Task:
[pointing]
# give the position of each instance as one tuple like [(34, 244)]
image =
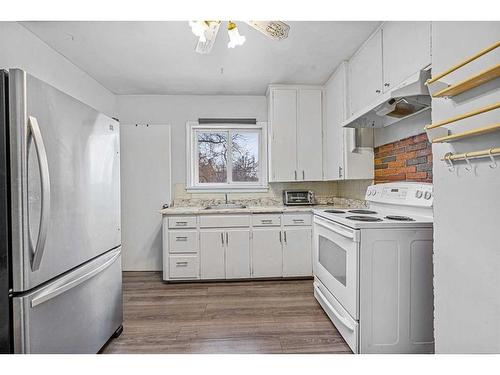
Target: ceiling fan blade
[(276, 30), (210, 35)]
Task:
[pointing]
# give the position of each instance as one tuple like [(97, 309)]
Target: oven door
[(336, 261)]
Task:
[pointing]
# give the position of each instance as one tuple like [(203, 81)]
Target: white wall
[(176, 110), (466, 204), (19, 48)]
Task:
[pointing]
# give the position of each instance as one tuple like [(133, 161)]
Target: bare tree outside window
[(236, 150), (212, 157), (245, 156)]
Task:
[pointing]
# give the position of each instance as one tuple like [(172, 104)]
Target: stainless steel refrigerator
[(60, 254)]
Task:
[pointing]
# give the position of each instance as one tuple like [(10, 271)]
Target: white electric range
[(373, 269)]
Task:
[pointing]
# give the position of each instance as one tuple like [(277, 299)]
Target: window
[(227, 157)]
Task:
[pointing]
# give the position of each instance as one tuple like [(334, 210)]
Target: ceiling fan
[(206, 31)]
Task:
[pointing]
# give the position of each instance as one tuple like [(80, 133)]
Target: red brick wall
[(408, 159)]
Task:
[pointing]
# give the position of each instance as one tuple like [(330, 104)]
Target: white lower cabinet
[(250, 246), (212, 254), (238, 254), (297, 252), (267, 253)]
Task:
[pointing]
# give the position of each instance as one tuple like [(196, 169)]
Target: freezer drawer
[(76, 313)]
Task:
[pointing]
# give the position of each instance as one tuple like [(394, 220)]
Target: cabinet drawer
[(182, 222), (183, 241), (224, 221), (297, 219), (184, 267), (265, 220)]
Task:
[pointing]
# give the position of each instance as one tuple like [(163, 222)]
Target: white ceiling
[(159, 57)]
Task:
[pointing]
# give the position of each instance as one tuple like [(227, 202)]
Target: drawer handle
[(181, 223), (298, 220), (184, 238), (181, 264), (267, 221)]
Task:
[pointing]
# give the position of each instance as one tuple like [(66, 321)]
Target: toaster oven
[(298, 197)]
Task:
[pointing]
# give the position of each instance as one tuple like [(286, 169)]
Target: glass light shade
[(235, 39), (198, 28)]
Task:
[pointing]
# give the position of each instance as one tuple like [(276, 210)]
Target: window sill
[(222, 190)]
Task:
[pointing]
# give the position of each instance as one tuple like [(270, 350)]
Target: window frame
[(192, 176)]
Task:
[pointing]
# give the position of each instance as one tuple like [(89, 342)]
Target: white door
[(284, 135), (407, 49), (212, 246), (310, 135), (365, 74), (297, 253), (145, 187), (333, 163), (267, 255), (238, 254)]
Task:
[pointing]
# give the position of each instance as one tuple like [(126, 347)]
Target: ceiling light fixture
[(199, 28), (235, 39), (206, 31)]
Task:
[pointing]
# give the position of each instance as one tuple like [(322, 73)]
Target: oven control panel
[(402, 193)]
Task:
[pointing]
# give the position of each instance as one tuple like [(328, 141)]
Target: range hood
[(408, 99)]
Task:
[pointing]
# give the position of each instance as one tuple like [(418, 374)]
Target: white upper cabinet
[(406, 50), (335, 97), (309, 135), (342, 158), (365, 73), (393, 53), (295, 126), (283, 119)]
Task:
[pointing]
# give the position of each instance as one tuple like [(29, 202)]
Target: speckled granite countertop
[(250, 209)]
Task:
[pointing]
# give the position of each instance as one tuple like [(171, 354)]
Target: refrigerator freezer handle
[(43, 164), (74, 281)]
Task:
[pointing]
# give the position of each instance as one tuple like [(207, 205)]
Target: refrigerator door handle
[(70, 284), (34, 130)]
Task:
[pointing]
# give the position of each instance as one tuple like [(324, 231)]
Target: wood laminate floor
[(222, 317)]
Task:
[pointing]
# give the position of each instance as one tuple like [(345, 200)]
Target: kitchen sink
[(224, 206)]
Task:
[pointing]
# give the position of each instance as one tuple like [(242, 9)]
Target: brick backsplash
[(408, 159)]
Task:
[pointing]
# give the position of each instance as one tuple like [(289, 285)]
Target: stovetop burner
[(363, 218), (399, 218), (335, 211), (366, 212)]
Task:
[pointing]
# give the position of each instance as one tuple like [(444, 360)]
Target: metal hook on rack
[(469, 164), (493, 164), (448, 161)]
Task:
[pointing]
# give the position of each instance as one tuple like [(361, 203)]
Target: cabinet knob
[(387, 84), (377, 91)]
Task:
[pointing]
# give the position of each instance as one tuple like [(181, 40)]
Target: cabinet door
[(238, 254), (407, 49), (297, 252), (365, 74), (212, 254), (309, 135), (335, 97), (267, 255), (284, 134)]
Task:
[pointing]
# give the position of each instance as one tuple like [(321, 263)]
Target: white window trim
[(191, 171)]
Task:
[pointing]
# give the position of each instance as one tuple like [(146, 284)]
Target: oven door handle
[(337, 229), (342, 320)]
